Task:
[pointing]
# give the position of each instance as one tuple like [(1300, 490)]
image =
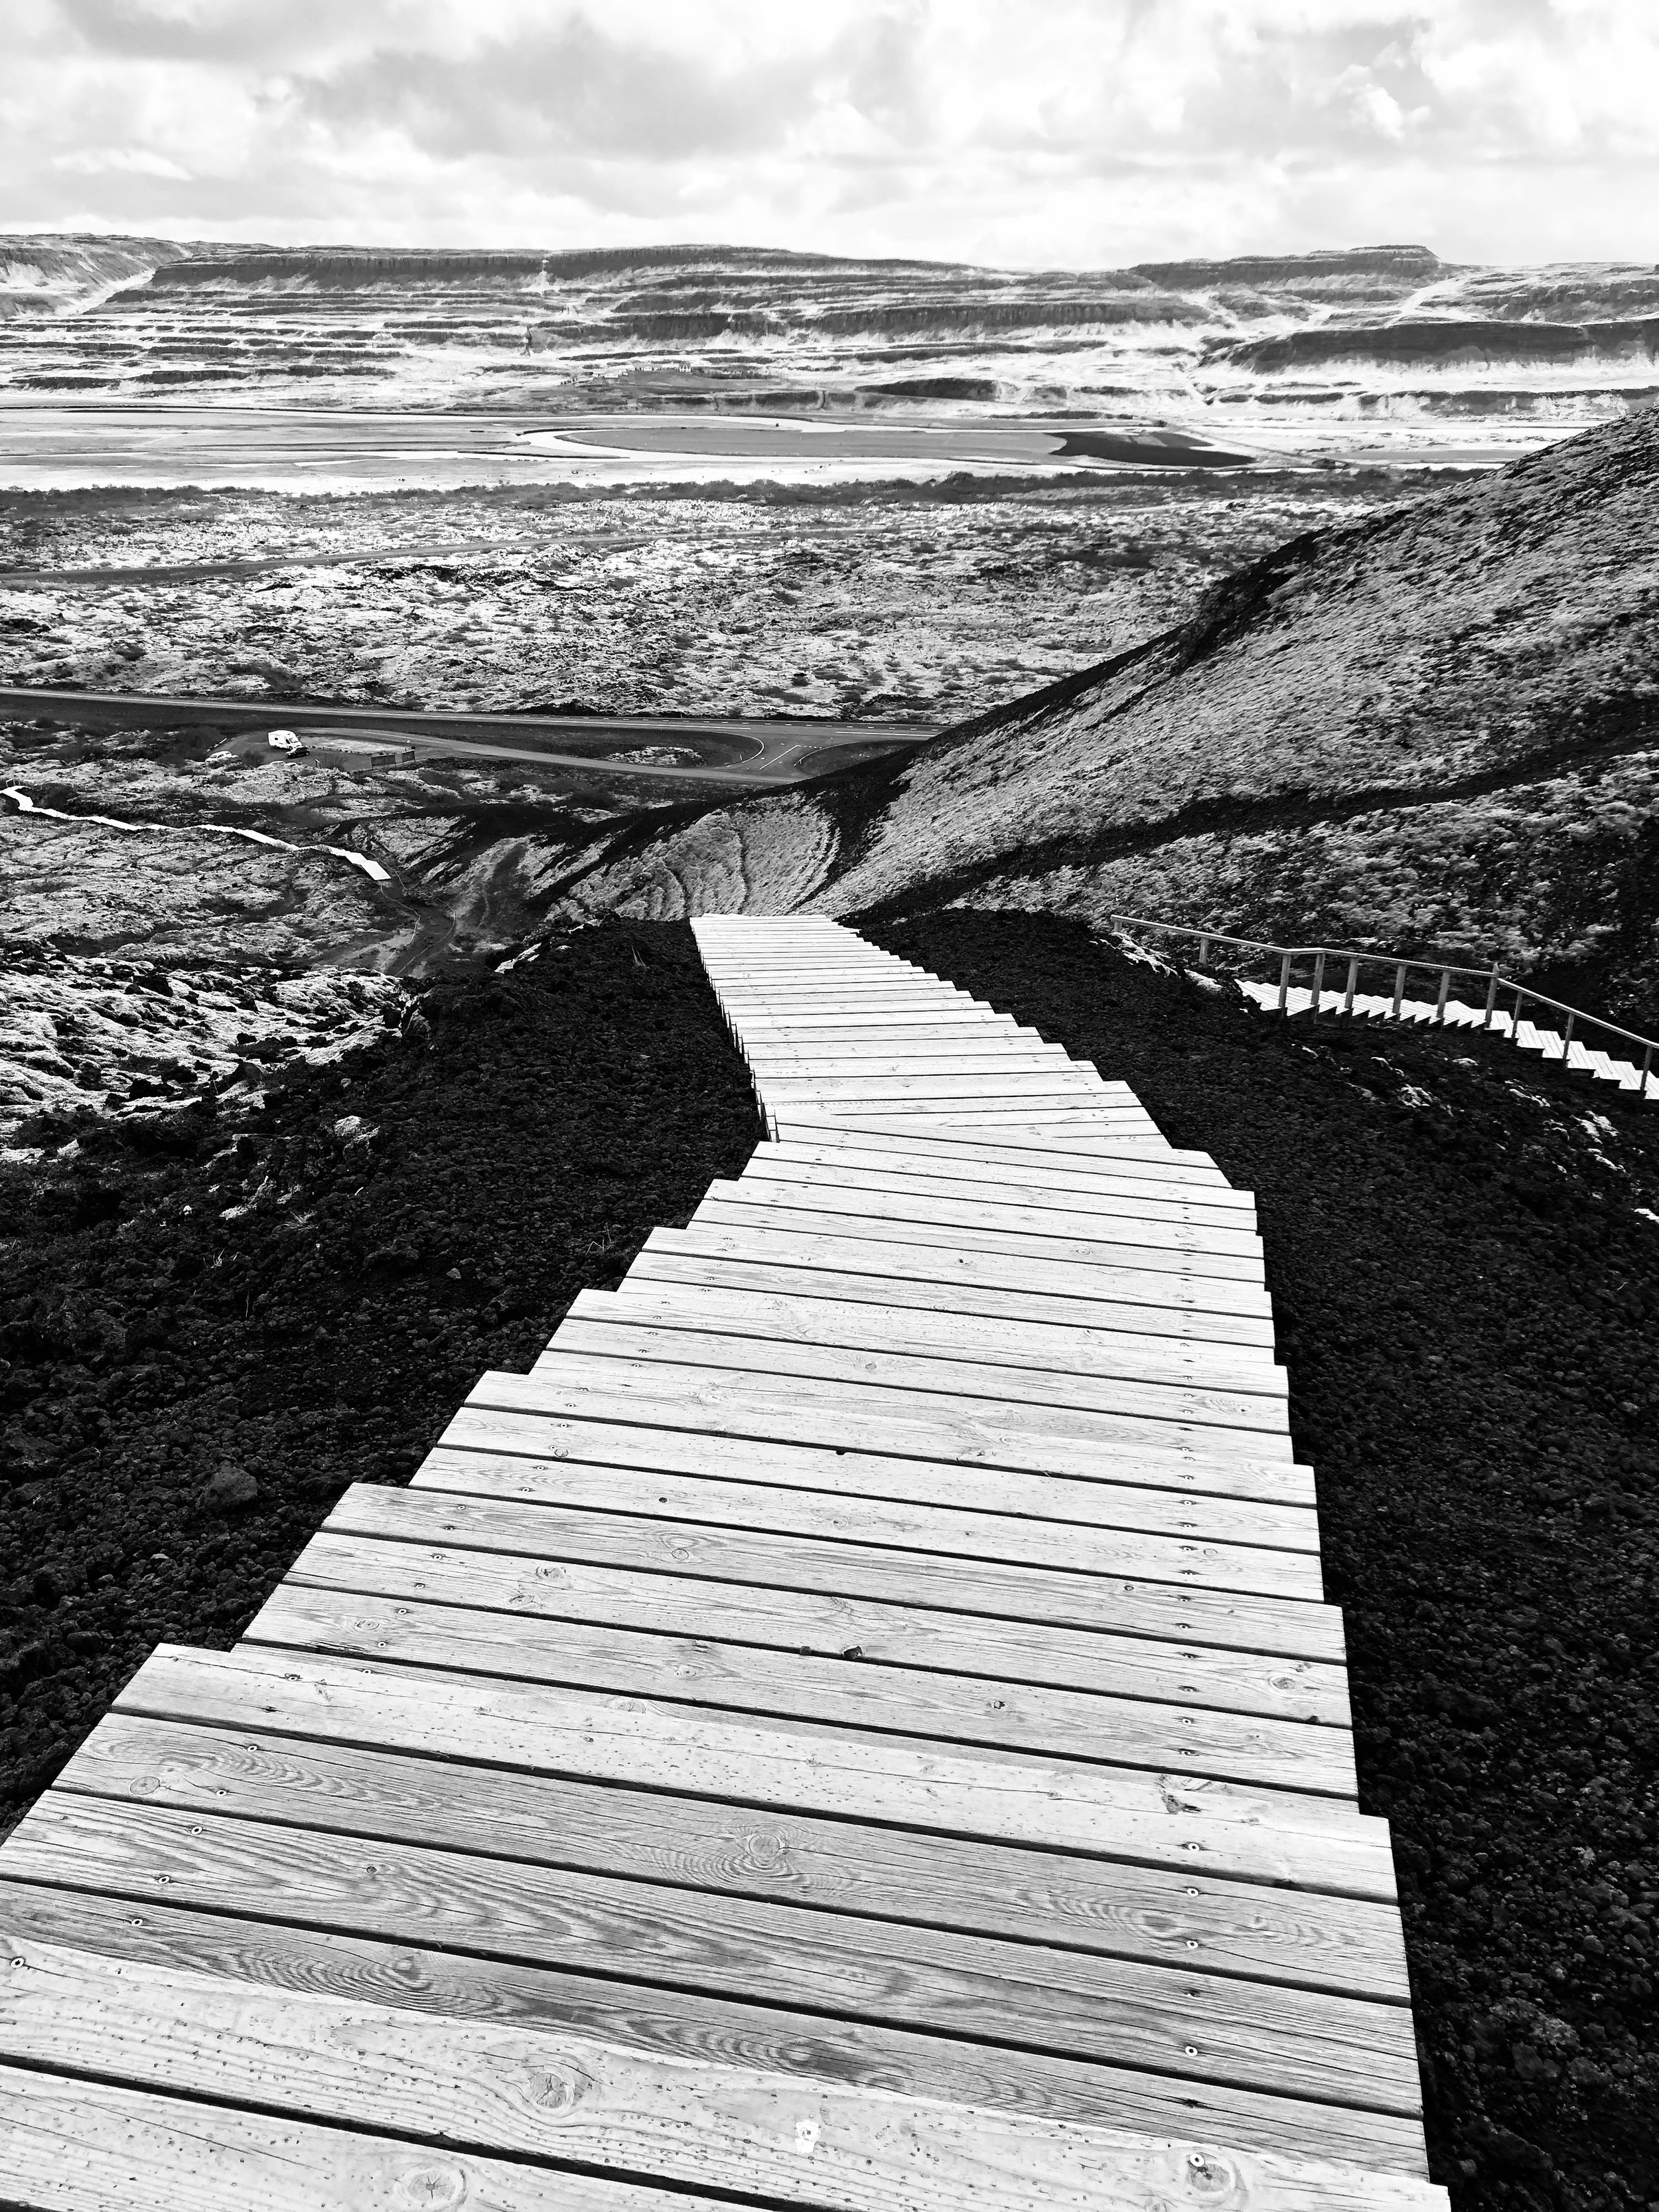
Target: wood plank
[(1083, 1140), (996, 1034), (1041, 1151), (979, 1027), (1129, 1219), (863, 1038), (1205, 1374), (1080, 1178), (488, 1622), (878, 996), (1096, 1263), (1203, 1528), (924, 1095), (1210, 1418), (846, 1022), (998, 1562), (774, 1073), (1082, 1109), (851, 1310), (1067, 1122), (818, 1167), (934, 1257), (1167, 2018), (1107, 1814), (956, 1280), (1341, 1946), (910, 1210), (1225, 1340), (1067, 1080), (778, 963), (703, 1642), (775, 1400), (823, 1069), (73, 2145), (1158, 1491), (636, 1572), (487, 2058)]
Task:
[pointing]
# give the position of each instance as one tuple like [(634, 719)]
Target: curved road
[(739, 749)]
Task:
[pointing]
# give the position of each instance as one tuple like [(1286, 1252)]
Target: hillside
[(1435, 729)]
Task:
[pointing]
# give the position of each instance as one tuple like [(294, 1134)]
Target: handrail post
[(1496, 983)]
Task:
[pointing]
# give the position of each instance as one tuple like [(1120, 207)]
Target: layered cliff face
[(44, 274), (1356, 352), (1439, 728)]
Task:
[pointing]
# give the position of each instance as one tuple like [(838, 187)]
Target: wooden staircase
[(1558, 1045), (855, 1727)]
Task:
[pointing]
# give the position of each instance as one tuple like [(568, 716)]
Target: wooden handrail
[(1445, 969)]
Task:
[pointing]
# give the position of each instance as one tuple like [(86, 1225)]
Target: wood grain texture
[(1224, 1829), (1085, 1141), (1189, 1226), (925, 1049), (208, 2006), (943, 1253), (834, 1417), (478, 1612), (981, 1224), (981, 1165), (862, 1269), (1166, 2019), (805, 1596), (78, 2146), (796, 1305), (1134, 1494), (1343, 1946), (874, 1024), (1023, 1569), (1095, 1737), (600, 1321)]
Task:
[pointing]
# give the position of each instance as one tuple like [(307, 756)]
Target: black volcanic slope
[(1466, 1296), (208, 1330)]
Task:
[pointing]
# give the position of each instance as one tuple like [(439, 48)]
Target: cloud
[(570, 91), (1046, 132), (125, 160)]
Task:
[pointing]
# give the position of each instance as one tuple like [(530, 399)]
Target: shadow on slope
[(1436, 729), (1464, 1288)]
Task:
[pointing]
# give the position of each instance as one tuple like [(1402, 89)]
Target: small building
[(355, 749)]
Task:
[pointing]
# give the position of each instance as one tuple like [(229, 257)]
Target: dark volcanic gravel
[(208, 1330), (1465, 1294)]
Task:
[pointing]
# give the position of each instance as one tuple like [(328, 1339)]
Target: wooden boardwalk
[(856, 1727)]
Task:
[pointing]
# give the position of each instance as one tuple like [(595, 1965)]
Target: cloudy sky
[(1026, 132)]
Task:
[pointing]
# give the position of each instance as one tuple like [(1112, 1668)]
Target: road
[(736, 749)]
